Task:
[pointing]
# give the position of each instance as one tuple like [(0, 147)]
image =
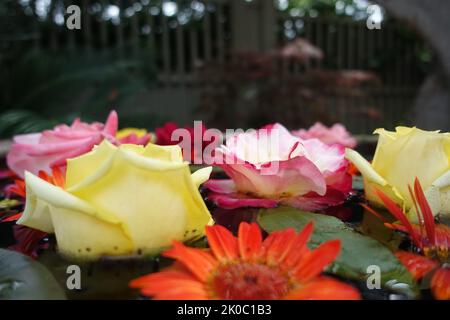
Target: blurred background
[(230, 63)]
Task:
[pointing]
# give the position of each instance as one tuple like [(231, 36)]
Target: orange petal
[(426, 212), (416, 264), (58, 177), (299, 248), (277, 246), (440, 284), (182, 294), (374, 212), (13, 217), (315, 261), (416, 207), (44, 176), (197, 261), (170, 285), (399, 215), (325, 288), (250, 241), (18, 191), (19, 188), (143, 281), (223, 244), (443, 239)]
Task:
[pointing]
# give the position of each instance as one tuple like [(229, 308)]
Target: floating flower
[(166, 136), (248, 268), (119, 200), (432, 240), (337, 134), (42, 151), (133, 136), (19, 188), (402, 155), (270, 167), (28, 241)]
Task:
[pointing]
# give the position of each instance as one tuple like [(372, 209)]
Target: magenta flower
[(51, 148), (337, 134), (270, 166)]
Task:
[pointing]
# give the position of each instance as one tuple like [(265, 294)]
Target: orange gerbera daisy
[(433, 241), (18, 188), (57, 178), (248, 268)]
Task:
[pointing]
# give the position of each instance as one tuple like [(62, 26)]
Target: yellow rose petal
[(364, 167), (167, 153), (201, 175), (83, 166), (82, 236), (127, 131), (408, 153), (157, 200)]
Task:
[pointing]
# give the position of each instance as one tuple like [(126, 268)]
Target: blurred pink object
[(42, 151), (337, 134), (302, 50)]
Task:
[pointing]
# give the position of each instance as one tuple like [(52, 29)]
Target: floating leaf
[(358, 183), (22, 278), (358, 251)]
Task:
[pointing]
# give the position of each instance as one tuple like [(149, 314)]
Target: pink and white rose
[(51, 148), (270, 166), (337, 134)]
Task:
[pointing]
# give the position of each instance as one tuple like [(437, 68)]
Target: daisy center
[(249, 281)]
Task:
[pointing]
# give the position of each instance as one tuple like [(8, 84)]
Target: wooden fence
[(212, 30)]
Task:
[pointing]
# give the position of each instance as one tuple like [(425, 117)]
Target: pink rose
[(337, 134), (270, 166), (51, 148)]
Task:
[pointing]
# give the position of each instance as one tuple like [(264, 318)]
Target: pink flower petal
[(221, 186), (337, 134), (296, 176), (315, 202), (307, 174), (233, 201), (112, 124), (134, 139), (41, 151)]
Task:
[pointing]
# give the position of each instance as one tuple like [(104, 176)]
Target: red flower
[(440, 284), (248, 268), (28, 241), (164, 134), (417, 265), (165, 137), (432, 240)]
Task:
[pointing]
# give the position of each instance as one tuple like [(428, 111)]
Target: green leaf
[(22, 278), (358, 251)]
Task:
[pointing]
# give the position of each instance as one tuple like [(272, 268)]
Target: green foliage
[(23, 121), (358, 251), (84, 83), (323, 6)]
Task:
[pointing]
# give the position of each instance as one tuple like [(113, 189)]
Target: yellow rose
[(400, 157), (134, 136), (127, 131), (119, 201)]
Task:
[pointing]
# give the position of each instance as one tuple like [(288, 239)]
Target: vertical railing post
[(253, 25)]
